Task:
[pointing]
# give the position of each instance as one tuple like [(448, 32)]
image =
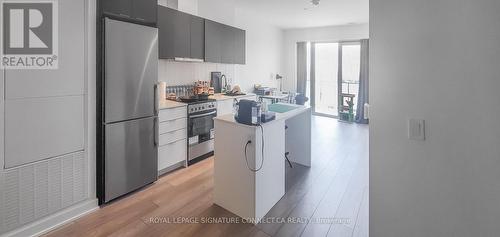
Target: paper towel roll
[(162, 87)]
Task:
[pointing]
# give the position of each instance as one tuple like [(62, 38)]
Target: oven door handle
[(201, 115)]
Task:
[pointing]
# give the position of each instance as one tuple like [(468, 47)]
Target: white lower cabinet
[(171, 154), (172, 130)]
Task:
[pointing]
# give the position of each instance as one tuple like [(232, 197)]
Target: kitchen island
[(249, 167)]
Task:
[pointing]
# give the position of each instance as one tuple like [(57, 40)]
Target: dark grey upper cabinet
[(121, 8), (145, 10), (227, 40), (139, 10), (197, 37), (166, 36), (224, 44), (239, 46), (180, 35), (213, 45)]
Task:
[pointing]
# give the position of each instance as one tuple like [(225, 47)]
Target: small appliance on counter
[(216, 81), (249, 112)]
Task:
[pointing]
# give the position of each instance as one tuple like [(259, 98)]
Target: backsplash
[(183, 73)]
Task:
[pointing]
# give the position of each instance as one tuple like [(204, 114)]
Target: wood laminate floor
[(328, 199)]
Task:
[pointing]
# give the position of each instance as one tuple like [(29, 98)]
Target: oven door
[(201, 127)]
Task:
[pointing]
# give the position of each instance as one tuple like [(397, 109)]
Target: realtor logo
[(29, 34)]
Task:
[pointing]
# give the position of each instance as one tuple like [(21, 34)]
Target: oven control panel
[(195, 108)]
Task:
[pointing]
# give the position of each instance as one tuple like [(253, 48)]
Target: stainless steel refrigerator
[(129, 108)]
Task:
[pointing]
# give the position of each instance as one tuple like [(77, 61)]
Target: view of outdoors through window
[(326, 67), (351, 56), (326, 84)]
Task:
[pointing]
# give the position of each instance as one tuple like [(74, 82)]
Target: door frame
[(312, 73)]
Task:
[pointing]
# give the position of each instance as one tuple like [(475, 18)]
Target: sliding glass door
[(334, 70), (325, 79)]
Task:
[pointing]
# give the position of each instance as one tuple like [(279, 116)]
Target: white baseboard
[(55, 220)]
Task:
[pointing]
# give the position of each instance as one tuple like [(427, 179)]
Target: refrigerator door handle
[(156, 131), (156, 100)]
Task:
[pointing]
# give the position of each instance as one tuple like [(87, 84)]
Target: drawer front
[(171, 114), (170, 137), (172, 154), (172, 125)]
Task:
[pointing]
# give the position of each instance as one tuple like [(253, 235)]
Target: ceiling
[(302, 13)]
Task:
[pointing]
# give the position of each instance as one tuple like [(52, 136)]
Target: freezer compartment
[(131, 159), (131, 70)]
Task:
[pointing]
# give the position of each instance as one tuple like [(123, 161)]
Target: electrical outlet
[(416, 129)]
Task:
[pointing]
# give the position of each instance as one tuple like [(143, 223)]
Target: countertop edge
[(169, 104), (229, 118)]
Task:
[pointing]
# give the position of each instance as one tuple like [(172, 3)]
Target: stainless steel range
[(201, 129)]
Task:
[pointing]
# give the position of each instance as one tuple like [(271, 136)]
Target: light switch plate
[(416, 129)]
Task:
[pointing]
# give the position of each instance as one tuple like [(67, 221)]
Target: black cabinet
[(213, 46), (239, 46), (227, 41), (181, 32), (181, 35), (145, 10), (224, 44), (197, 37), (137, 10), (117, 7)]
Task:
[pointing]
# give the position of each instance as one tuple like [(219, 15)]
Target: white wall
[(40, 195), (222, 11), (436, 60), (184, 73), (317, 34), (263, 50)]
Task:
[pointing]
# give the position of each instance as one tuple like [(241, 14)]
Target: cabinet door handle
[(141, 19)]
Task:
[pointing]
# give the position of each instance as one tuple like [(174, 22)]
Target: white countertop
[(170, 104), (229, 118), (220, 96)]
